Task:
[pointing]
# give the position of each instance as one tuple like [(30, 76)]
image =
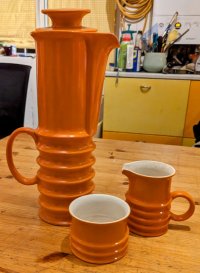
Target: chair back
[(14, 80)]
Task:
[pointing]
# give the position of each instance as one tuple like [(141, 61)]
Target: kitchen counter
[(147, 75), (29, 245)]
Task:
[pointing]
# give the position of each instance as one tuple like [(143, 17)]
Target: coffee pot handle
[(9, 155), (190, 210)]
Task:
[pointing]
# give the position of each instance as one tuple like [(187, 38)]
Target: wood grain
[(29, 245)]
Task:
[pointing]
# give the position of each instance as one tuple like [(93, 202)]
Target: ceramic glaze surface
[(154, 62), (99, 232), (71, 63), (150, 198)]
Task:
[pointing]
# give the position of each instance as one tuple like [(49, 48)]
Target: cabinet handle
[(145, 88)]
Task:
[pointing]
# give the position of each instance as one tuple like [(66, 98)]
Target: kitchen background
[(20, 17)]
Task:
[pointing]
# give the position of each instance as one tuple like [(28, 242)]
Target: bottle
[(129, 31), (136, 60), (138, 40), (129, 57), (137, 52), (126, 38)]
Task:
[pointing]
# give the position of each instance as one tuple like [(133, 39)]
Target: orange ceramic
[(150, 198), (99, 231), (71, 63)]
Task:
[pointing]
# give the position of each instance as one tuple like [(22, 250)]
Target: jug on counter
[(149, 197), (71, 63)]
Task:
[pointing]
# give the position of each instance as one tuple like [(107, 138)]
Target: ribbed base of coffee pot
[(65, 173), (54, 209)]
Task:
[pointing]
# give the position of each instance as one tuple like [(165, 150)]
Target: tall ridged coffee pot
[(71, 63)]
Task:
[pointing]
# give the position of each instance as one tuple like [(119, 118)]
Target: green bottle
[(126, 39)]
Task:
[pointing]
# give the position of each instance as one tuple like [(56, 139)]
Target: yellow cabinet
[(150, 110), (193, 111)]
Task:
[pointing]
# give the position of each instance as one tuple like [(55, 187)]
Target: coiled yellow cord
[(135, 10)]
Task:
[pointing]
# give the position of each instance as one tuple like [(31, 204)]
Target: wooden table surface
[(27, 244)]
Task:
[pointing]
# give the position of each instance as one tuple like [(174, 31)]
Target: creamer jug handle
[(189, 212), (9, 155)]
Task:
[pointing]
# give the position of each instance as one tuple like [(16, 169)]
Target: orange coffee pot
[(71, 63)]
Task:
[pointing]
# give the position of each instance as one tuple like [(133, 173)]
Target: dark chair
[(14, 80), (196, 131)]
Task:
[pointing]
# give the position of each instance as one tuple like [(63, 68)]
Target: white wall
[(188, 16), (169, 7)]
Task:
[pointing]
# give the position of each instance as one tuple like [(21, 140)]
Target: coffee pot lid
[(68, 18)]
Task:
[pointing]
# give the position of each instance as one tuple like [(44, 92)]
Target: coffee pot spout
[(98, 47)]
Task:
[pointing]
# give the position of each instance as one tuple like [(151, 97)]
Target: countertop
[(29, 245), (147, 75)]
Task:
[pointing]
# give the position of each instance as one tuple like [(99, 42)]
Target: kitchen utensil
[(166, 47), (173, 35), (150, 198), (168, 28), (99, 231), (160, 39), (71, 63), (154, 61)]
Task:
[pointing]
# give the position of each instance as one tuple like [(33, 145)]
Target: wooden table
[(27, 244)]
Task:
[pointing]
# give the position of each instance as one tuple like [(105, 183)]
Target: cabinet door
[(171, 140), (193, 110), (145, 106)]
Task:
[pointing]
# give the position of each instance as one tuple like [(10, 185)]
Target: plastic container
[(129, 57), (154, 62), (138, 40), (134, 54), (136, 60), (126, 39)]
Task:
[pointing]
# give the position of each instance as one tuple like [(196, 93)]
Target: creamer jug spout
[(126, 170), (98, 46)]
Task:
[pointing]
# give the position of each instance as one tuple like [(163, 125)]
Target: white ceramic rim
[(170, 171), (80, 200)]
